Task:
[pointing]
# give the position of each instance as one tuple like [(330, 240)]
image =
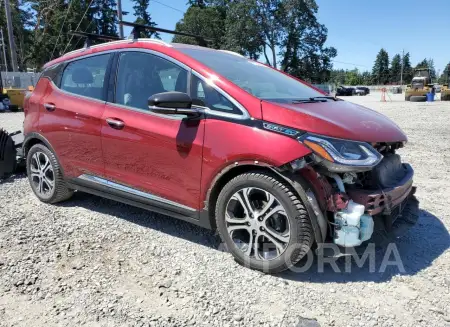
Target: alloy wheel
[(257, 223), (42, 175)]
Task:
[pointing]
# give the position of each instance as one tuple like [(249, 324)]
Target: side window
[(142, 74), (86, 76), (204, 94), (53, 73)]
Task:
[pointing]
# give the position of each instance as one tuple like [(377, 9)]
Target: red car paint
[(178, 160), (339, 119)]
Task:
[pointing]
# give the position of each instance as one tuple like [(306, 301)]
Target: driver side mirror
[(172, 103)]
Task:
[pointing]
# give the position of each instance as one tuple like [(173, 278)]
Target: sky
[(358, 29)]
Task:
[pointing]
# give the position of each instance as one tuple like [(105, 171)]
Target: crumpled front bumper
[(384, 201), (394, 210)]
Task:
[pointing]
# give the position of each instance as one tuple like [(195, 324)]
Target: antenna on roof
[(89, 37), (138, 28)]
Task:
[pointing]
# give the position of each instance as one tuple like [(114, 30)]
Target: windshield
[(422, 73), (255, 78)]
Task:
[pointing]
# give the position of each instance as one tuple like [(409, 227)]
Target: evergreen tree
[(143, 17), (407, 69), (396, 68), (444, 78), (105, 15), (380, 71)]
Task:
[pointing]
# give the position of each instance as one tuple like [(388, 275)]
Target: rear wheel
[(45, 176), (418, 98), (263, 222)]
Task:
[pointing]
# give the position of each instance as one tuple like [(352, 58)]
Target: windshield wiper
[(324, 97), (314, 99)]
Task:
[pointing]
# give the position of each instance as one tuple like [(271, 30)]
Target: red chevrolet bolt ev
[(210, 137)]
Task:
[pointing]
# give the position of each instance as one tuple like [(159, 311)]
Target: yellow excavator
[(420, 86), (445, 91), (12, 98)]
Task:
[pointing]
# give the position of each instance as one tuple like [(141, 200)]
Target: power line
[(348, 63), (76, 44), (179, 10), (57, 39), (68, 43)]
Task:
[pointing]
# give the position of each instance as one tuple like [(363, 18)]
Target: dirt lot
[(95, 262)]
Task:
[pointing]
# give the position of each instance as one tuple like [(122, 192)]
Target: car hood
[(340, 119)]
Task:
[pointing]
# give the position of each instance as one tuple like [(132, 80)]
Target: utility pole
[(4, 49), (12, 46), (401, 71), (119, 15)]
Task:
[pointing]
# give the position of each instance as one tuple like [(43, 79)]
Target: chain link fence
[(19, 80)]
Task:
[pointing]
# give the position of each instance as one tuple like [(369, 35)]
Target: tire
[(293, 217), (418, 98), (46, 181)]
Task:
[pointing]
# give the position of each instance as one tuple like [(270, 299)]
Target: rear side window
[(86, 76), (53, 73)]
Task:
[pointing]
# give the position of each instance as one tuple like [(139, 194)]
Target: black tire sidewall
[(284, 261), (418, 98), (41, 148)]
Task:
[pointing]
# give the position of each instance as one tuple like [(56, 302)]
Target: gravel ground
[(95, 262)]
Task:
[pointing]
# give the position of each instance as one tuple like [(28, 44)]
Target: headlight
[(343, 152)]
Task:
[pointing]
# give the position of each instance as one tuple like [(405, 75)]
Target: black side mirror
[(172, 103)]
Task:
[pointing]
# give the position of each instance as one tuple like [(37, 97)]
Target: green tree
[(207, 22), (105, 15), (353, 77), (380, 70), (283, 33), (303, 39), (21, 20), (396, 68), (243, 34), (337, 76), (143, 17), (407, 69), (366, 78), (445, 77)]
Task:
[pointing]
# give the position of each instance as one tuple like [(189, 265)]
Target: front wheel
[(263, 222)]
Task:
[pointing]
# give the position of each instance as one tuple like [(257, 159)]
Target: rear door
[(71, 112), (152, 156)]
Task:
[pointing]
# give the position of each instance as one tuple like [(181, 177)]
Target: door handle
[(50, 106), (115, 123)]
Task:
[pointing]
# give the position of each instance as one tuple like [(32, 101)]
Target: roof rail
[(89, 37), (138, 28), (233, 53), (119, 41)]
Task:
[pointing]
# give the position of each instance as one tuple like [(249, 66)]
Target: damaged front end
[(362, 192)]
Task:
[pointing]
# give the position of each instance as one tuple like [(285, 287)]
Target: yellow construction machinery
[(445, 91), (12, 98), (420, 86)]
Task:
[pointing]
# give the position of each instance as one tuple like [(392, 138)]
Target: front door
[(146, 154)]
